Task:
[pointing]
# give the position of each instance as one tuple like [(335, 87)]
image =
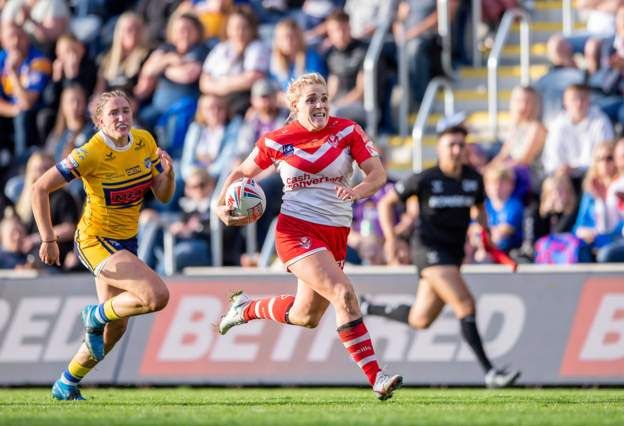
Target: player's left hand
[(345, 193), (165, 160)]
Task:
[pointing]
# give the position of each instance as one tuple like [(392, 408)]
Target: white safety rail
[(567, 13), (423, 113), (494, 59), (476, 22), (371, 69)]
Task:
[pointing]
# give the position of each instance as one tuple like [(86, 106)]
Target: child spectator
[(12, 235), (505, 213), (558, 207)]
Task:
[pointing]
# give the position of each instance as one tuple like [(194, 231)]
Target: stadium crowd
[(209, 77)]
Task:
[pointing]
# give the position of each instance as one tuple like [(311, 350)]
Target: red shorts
[(296, 239)]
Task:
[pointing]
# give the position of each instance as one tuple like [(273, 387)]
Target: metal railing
[(423, 113), (477, 60), (216, 228), (567, 14), (370, 66), (444, 29), (493, 60)]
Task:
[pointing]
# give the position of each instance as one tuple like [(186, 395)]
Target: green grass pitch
[(314, 406)]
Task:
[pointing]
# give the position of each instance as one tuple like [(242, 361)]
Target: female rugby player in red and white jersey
[(314, 155)]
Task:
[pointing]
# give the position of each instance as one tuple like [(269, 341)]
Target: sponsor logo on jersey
[(470, 185), (433, 257), (148, 163), (437, 186), (72, 161), (444, 201), (81, 153), (133, 170), (110, 156), (126, 195), (306, 179), (288, 149)]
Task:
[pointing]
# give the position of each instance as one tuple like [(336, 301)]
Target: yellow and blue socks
[(74, 373), (104, 313)]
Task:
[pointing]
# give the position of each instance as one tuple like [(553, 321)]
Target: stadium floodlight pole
[(567, 14), (476, 23), (493, 60), (423, 113), (371, 68)]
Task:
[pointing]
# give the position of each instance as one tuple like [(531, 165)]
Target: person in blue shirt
[(505, 213), (24, 74)]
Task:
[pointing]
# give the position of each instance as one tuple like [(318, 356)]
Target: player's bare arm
[(375, 178), (46, 184), (164, 184)]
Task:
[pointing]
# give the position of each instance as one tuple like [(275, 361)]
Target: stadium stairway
[(470, 89)]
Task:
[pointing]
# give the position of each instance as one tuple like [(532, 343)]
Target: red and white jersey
[(311, 164)]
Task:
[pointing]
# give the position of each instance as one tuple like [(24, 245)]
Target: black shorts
[(425, 255)]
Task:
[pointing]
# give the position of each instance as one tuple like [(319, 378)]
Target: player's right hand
[(49, 253), (390, 250), (225, 214)]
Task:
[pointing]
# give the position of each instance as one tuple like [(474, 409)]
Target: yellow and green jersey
[(115, 180)]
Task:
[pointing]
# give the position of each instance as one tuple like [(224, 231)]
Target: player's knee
[(464, 307), (310, 320), (420, 322), (157, 298)]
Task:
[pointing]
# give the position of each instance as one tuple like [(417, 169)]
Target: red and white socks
[(355, 338), (273, 308)]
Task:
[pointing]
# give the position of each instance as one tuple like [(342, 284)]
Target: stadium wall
[(559, 326)]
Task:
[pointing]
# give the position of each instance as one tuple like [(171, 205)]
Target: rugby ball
[(246, 198)]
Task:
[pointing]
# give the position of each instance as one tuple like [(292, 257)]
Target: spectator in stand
[(192, 230), (312, 18), (609, 80), (558, 207), (364, 17), (524, 143), (171, 73), (416, 26), (71, 66), (120, 66), (64, 212), (43, 20), (211, 140), (12, 235), (345, 61), (72, 128), (504, 212), (574, 134), (157, 15), (263, 116), (25, 72), (562, 73), (235, 64), (599, 221), (291, 58), (213, 15)]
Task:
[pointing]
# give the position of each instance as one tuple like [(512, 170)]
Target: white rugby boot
[(385, 385), (495, 379), (234, 316)]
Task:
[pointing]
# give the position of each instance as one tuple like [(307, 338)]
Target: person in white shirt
[(574, 133)]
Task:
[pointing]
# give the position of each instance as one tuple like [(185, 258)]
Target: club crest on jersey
[(333, 141), (139, 145), (469, 185), (305, 242), (437, 186), (148, 163), (288, 149)]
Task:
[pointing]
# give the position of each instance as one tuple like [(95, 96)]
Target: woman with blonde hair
[(290, 57), (524, 143), (599, 221), (121, 65), (313, 225)]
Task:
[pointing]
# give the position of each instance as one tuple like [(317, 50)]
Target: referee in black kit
[(448, 194)]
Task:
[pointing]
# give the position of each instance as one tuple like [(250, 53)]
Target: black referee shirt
[(444, 204)]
